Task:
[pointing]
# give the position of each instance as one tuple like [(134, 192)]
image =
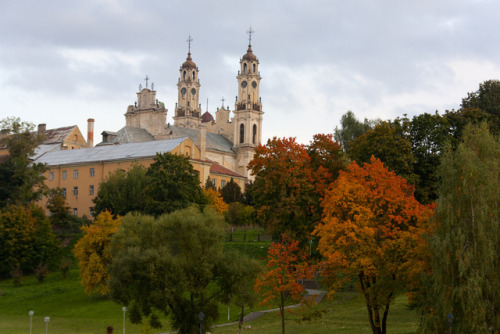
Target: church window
[(184, 75), (253, 68), (193, 75), (242, 133), (254, 135), (214, 182), (245, 68)]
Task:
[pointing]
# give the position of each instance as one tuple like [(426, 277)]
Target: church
[(218, 147), (229, 141)]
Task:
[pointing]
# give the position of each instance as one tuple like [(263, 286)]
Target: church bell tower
[(248, 109), (187, 108)]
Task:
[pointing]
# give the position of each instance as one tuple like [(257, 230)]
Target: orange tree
[(290, 179), (92, 252), (215, 200), (286, 265), (370, 227)]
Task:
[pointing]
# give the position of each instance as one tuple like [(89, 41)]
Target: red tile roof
[(207, 117), (218, 169)]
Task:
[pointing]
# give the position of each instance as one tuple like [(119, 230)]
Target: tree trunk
[(240, 324), (282, 313)]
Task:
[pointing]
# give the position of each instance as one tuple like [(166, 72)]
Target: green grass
[(349, 317)]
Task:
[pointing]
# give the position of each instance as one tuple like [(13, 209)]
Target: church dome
[(189, 63), (249, 55)]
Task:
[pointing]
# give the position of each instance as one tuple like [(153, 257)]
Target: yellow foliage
[(215, 200), (93, 255)]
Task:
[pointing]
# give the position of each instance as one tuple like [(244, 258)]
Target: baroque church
[(228, 140)]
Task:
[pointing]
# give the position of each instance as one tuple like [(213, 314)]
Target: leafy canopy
[(371, 223), (175, 265)]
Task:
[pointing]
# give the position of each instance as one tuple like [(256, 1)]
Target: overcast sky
[(62, 62)]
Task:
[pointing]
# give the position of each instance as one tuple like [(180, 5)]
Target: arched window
[(242, 133), (254, 134), (184, 75), (253, 68), (193, 75), (245, 68)]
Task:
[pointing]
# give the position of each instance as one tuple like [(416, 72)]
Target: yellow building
[(79, 172)]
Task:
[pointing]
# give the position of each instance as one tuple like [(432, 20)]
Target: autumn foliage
[(92, 252), (370, 228), (215, 200), (286, 265)]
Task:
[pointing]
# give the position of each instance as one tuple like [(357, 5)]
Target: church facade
[(229, 140)]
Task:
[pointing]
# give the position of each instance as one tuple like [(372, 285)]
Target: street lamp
[(31, 319), (124, 309), (450, 318), (201, 316), (46, 319)]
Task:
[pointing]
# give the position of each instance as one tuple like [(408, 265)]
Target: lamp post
[(450, 318), (31, 320), (201, 316), (124, 309), (46, 319)]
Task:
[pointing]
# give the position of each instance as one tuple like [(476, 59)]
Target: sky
[(64, 61)]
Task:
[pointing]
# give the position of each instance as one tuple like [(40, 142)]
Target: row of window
[(75, 174), (75, 191), (222, 183), (242, 134), (91, 211)]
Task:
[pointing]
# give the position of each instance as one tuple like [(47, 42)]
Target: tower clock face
[(254, 84), (183, 91), (243, 84), (193, 91)]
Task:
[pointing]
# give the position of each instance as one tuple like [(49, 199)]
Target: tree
[(283, 191), (465, 276), (174, 264), (239, 214), (123, 192), (26, 239), (209, 184), (92, 253), (351, 129), (371, 222), (215, 200), (486, 98), (387, 143), (286, 266), (21, 182), (175, 186), (231, 192), (61, 218)]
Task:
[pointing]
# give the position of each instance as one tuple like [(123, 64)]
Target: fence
[(248, 237)]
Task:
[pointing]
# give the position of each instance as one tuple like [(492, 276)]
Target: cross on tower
[(250, 32), (146, 80), (189, 40), (222, 102)]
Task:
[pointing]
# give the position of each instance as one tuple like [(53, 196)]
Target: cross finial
[(146, 80), (189, 40), (222, 102), (250, 32)]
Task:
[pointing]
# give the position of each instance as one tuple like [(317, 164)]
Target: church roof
[(207, 117), (219, 169), (214, 141), (249, 55), (189, 63), (128, 151)]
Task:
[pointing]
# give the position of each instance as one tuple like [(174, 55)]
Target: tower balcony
[(249, 106)]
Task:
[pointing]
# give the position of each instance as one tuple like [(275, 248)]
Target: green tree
[(209, 184), (175, 264), (175, 185), (92, 253), (123, 192), (231, 192), (486, 98), (465, 258), (386, 142), (21, 182), (60, 215), (351, 128), (26, 239), (239, 214)]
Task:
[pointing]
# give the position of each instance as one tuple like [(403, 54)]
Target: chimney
[(90, 132), (41, 128)]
